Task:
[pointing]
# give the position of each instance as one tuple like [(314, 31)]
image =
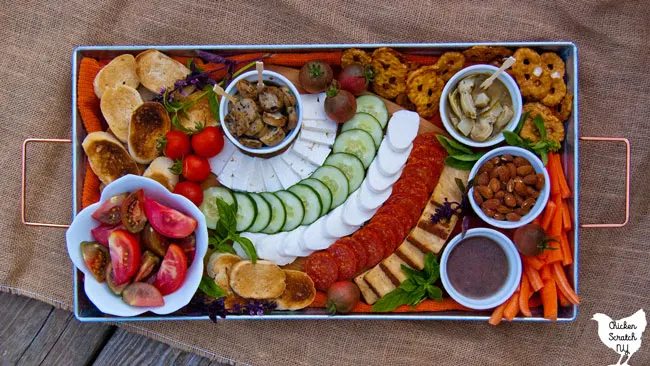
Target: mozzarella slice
[(313, 106), (227, 175), (353, 213), (284, 172), (298, 163), (322, 125), (292, 246), (255, 178), (271, 181), (402, 129), (378, 181), (389, 161), (243, 173), (313, 152), (269, 249), (315, 237), (218, 162), (325, 138), (370, 200), (253, 237), (335, 226)]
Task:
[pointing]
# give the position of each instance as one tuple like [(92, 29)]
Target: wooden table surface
[(35, 333)]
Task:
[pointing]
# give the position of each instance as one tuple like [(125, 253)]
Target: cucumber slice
[(310, 201), (373, 105), (350, 165), (358, 143), (209, 205), (323, 192), (263, 217), (246, 212), (278, 213), (336, 181), (368, 123), (294, 208)]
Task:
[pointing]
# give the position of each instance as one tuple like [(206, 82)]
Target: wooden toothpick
[(509, 61), (260, 69), (219, 90)]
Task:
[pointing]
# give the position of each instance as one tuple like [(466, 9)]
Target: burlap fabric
[(613, 39)]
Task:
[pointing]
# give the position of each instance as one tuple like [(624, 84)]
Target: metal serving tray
[(85, 311)]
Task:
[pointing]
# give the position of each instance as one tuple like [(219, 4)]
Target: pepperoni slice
[(409, 185), (402, 217), (346, 259), (391, 225), (359, 250), (322, 268), (421, 171), (371, 243), (425, 139), (412, 203), (386, 235)]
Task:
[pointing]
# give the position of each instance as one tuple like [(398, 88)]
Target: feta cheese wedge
[(298, 163), (218, 162), (284, 172), (313, 152)]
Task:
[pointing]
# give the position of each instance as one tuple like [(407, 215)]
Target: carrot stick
[(511, 310), (421, 59), (534, 262), (552, 173), (90, 192), (563, 283), (566, 217), (524, 295), (87, 101), (299, 59), (567, 256), (545, 273), (497, 314), (549, 212), (447, 303), (534, 301), (320, 301), (565, 191), (534, 278), (537, 220), (549, 300), (564, 302), (555, 231)]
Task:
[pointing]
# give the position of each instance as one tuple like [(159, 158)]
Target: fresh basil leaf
[(408, 285), (410, 272), (434, 293), (391, 301), (458, 164), (221, 231), (453, 147), (210, 288), (415, 297), (468, 157), (512, 138), (247, 246), (544, 156), (460, 185), (225, 248), (431, 268), (226, 215), (539, 123), (214, 105), (520, 125)]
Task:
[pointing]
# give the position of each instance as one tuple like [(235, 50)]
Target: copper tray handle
[(627, 180), (23, 173)]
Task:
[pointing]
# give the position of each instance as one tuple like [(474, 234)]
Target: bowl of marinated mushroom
[(264, 118), (476, 114)]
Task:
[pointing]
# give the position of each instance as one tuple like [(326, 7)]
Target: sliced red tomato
[(125, 255), (133, 216), (96, 258), (149, 263), (191, 191), (142, 294), (167, 221), (101, 232), (109, 212), (188, 245), (208, 143), (110, 281), (172, 271)]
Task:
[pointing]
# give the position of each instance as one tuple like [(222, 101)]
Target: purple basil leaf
[(211, 57), (465, 226)]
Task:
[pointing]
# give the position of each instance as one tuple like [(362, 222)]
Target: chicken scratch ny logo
[(623, 335)]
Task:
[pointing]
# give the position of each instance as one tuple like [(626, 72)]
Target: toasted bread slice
[(120, 71), (117, 106), (219, 267), (299, 293), (157, 70), (148, 124), (447, 187), (159, 171), (262, 280), (107, 156), (367, 292), (199, 112)]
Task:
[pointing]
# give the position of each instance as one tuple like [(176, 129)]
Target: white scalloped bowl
[(99, 293)]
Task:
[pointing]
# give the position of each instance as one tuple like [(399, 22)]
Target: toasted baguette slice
[(299, 293), (159, 171), (198, 112), (117, 106), (120, 71), (157, 70), (262, 280), (367, 292), (219, 267), (107, 157), (149, 123)]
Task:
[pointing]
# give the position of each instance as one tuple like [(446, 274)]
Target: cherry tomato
[(172, 271), (167, 221), (109, 212), (355, 78), (125, 255), (342, 297), (101, 232), (315, 76), (96, 258), (195, 168), (142, 294), (208, 143), (191, 191), (177, 145), (340, 105), (133, 217)]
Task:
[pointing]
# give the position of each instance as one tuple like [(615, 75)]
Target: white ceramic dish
[(543, 194), (99, 293), (514, 272), (274, 78), (506, 79)]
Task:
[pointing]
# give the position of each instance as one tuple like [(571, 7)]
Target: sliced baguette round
[(262, 280), (199, 112), (219, 267), (117, 106), (148, 124), (107, 157), (120, 71), (157, 70), (159, 170), (299, 293)]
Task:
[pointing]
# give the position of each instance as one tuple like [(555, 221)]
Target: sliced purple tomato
[(101, 232), (152, 240), (167, 221), (110, 211), (149, 263), (132, 211), (188, 244), (142, 294), (110, 281), (125, 255), (96, 258)]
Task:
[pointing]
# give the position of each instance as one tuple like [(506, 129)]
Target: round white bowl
[(99, 293), (514, 272), (274, 78), (445, 109), (541, 202)]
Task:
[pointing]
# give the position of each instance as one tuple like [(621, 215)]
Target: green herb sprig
[(225, 233), (210, 288), (418, 286), (541, 148), (460, 156)]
